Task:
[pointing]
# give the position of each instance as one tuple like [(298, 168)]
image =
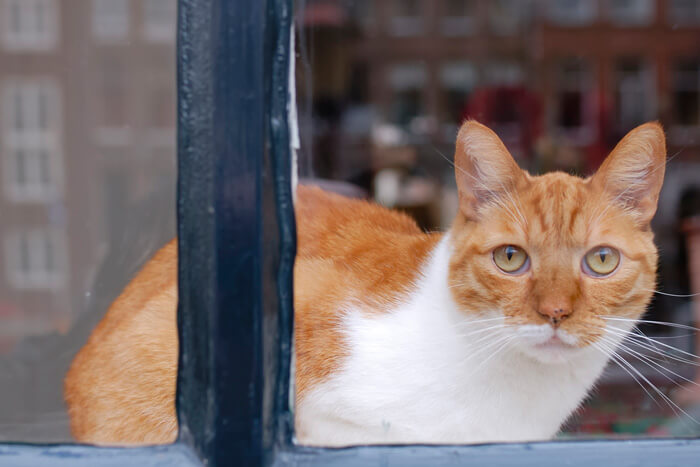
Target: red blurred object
[(514, 112)]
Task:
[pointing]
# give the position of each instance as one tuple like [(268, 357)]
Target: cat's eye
[(601, 261), (511, 259)]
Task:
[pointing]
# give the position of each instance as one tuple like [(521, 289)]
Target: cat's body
[(402, 336), (410, 375)]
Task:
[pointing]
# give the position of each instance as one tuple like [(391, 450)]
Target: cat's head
[(566, 261)]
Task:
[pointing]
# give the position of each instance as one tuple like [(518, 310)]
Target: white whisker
[(673, 294), (654, 348), (668, 400), (657, 366)]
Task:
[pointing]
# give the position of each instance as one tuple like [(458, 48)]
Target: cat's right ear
[(484, 168)]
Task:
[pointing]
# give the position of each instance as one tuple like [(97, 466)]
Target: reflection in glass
[(87, 183)]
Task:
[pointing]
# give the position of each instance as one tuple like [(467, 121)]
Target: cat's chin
[(547, 345), (553, 351)]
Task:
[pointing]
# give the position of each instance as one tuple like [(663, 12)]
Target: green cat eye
[(511, 259), (601, 261)]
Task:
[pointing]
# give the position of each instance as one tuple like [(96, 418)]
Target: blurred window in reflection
[(458, 80), (572, 12), (459, 18), (634, 93), (29, 25), (504, 73), (408, 18), (509, 17), (362, 12), (574, 101), (683, 12), (110, 20), (31, 141), (407, 82), (159, 19), (630, 12), (686, 93), (35, 259)]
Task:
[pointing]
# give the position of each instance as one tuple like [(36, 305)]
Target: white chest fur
[(413, 375)]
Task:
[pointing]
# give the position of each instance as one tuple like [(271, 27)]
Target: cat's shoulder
[(328, 223)]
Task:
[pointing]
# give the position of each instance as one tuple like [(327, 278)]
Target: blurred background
[(383, 85), (87, 154), (87, 183)]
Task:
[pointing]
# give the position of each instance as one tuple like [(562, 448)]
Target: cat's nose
[(555, 314)]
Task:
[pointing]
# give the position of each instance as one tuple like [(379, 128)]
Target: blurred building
[(87, 126), (579, 72)]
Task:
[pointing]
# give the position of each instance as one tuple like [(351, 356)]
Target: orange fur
[(336, 263), (120, 388)]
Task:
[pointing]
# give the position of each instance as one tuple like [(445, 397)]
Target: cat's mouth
[(553, 343), (548, 344)]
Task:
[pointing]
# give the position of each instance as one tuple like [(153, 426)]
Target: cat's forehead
[(557, 206), (554, 193)]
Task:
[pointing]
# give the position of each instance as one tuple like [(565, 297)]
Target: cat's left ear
[(634, 171), (484, 168)]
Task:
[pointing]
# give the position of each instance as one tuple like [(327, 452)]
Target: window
[(503, 73), (407, 17), (634, 93), (630, 12), (509, 17), (110, 20), (683, 12), (686, 93), (574, 100), (32, 141), (571, 12), (407, 82), (458, 80), (35, 258), (159, 20), (237, 409), (29, 25), (459, 18)]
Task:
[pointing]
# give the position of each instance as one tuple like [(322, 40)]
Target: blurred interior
[(383, 85)]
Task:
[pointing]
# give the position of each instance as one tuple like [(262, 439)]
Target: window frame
[(236, 232)]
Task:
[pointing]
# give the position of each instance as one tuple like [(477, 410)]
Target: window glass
[(32, 140), (560, 82), (159, 20), (509, 17), (408, 17), (683, 12), (458, 18), (87, 184), (635, 100), (110, 19), (631, 12), (571, 12), (29, 25)]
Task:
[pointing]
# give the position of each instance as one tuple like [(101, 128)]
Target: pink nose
[(554, 314)]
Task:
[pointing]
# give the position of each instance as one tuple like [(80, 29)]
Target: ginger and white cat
[(493, 331)]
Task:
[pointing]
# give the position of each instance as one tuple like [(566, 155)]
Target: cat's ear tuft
[(484, 168), (634, 171)]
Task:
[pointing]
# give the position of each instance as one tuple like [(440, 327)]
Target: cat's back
[(350, 252), (121, 385)]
